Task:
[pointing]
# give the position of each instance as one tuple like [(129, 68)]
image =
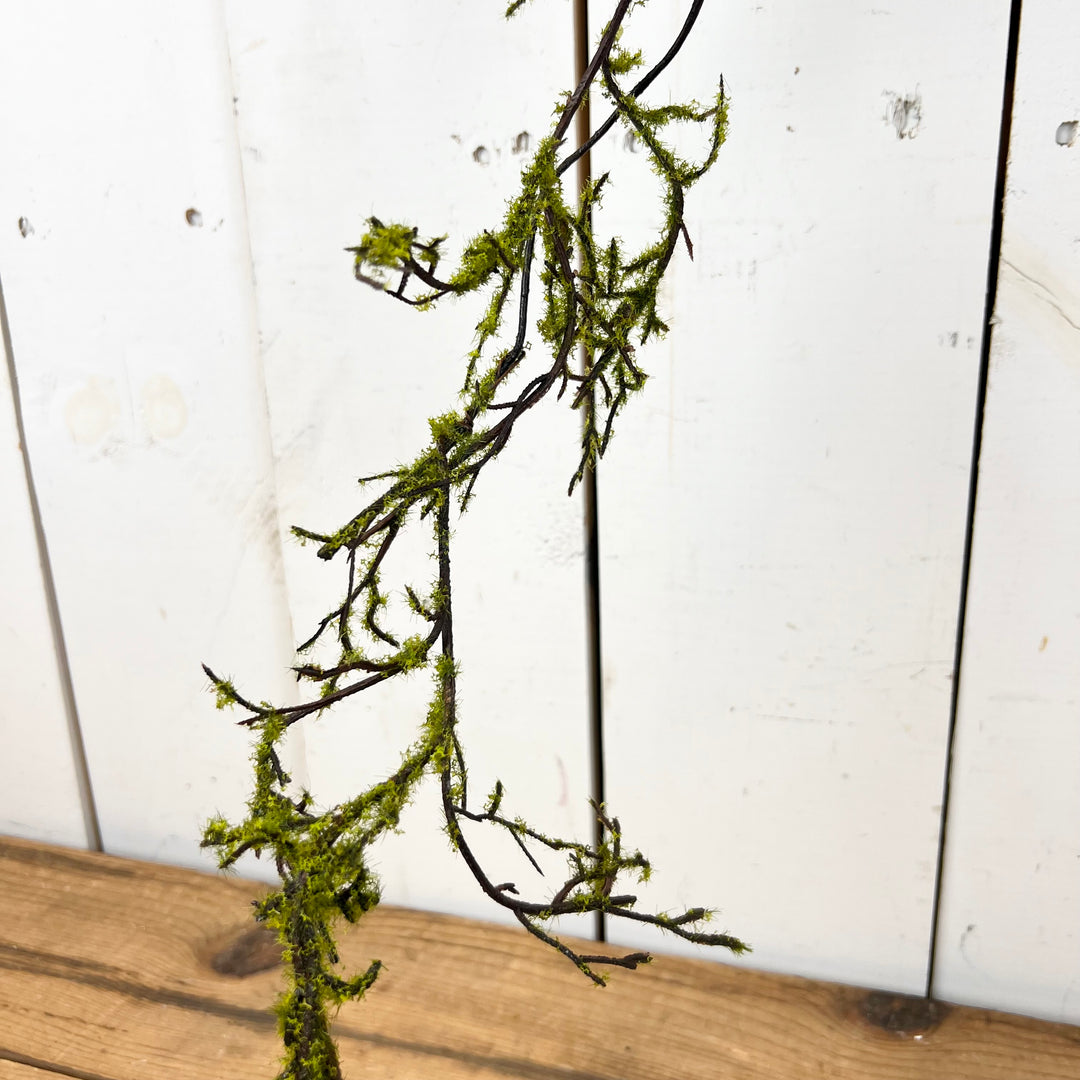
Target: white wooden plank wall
[(1008, 932), (347, 111), (782, 514), (40, 796), (133, 334), (782, 517)]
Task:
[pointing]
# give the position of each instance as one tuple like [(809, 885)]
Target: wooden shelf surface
[(107, 972)]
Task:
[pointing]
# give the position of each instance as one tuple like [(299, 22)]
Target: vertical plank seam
[(63, 667), (993, 263), (298, 747), (593, 659)]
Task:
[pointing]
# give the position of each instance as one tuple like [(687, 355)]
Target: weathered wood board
[(783, 514), (1012, 859), (108, 972), (14, 1070)]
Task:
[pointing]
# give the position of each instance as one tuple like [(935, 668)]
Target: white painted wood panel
[(1008, 933), (421, 111), (132, 318), (783, 513), (39, 798)]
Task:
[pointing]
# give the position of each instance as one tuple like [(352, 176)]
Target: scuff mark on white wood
[(1066, 133), (904, 113), (1043, 292)]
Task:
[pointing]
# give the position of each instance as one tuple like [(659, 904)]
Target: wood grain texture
[(1008, 931), (17, 1070), (783, 513), (108, 974)]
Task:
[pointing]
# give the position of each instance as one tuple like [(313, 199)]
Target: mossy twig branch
[(609, 306)]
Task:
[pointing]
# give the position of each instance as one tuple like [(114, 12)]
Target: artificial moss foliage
[(596, 300)]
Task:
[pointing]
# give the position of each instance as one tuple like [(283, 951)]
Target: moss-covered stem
[(310, 1053), (603, 50), (594, 297), (639, 87)]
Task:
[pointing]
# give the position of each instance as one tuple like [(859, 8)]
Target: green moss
[(592, 293), (623, 62), (224, 694)]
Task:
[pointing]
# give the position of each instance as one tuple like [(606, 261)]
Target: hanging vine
[(608, 304)]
